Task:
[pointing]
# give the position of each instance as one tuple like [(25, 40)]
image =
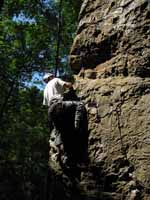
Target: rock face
[(111, 51), (113, 37), (119, 139)]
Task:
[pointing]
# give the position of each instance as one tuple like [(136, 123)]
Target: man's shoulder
[(60, 81), (56, 79), (52, 81)]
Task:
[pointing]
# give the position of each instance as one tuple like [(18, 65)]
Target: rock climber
[(54, 89), (66, 116), (54, 96)]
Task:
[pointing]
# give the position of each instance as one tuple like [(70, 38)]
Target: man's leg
[(78, 135), (79, 115)]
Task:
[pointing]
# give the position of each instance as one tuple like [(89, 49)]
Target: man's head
[(47, 77)]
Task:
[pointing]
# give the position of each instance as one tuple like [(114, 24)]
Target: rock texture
[(113, 37), (111, 51), (119, 143), (119, 140)]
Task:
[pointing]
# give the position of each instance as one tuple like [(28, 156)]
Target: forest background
[(35, 37)]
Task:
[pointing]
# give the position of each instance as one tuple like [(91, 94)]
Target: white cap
[(47, 75)]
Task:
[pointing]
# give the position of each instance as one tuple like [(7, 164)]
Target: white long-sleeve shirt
[(54, 89)]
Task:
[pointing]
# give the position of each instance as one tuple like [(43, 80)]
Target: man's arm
[(45, 98), (64, 84), (68, 85)]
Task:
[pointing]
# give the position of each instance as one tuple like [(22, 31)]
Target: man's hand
[(68, 85)]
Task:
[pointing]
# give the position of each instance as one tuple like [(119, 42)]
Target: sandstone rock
[(112, 47), (113, 36), (122, 134), (118, 144)]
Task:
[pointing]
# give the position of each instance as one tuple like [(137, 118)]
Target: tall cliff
[(111, 52), (113, 37)]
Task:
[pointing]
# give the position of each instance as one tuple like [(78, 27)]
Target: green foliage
[(24, 144), (28, 44)]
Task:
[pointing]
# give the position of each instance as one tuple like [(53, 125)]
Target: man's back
[(54, 89)]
